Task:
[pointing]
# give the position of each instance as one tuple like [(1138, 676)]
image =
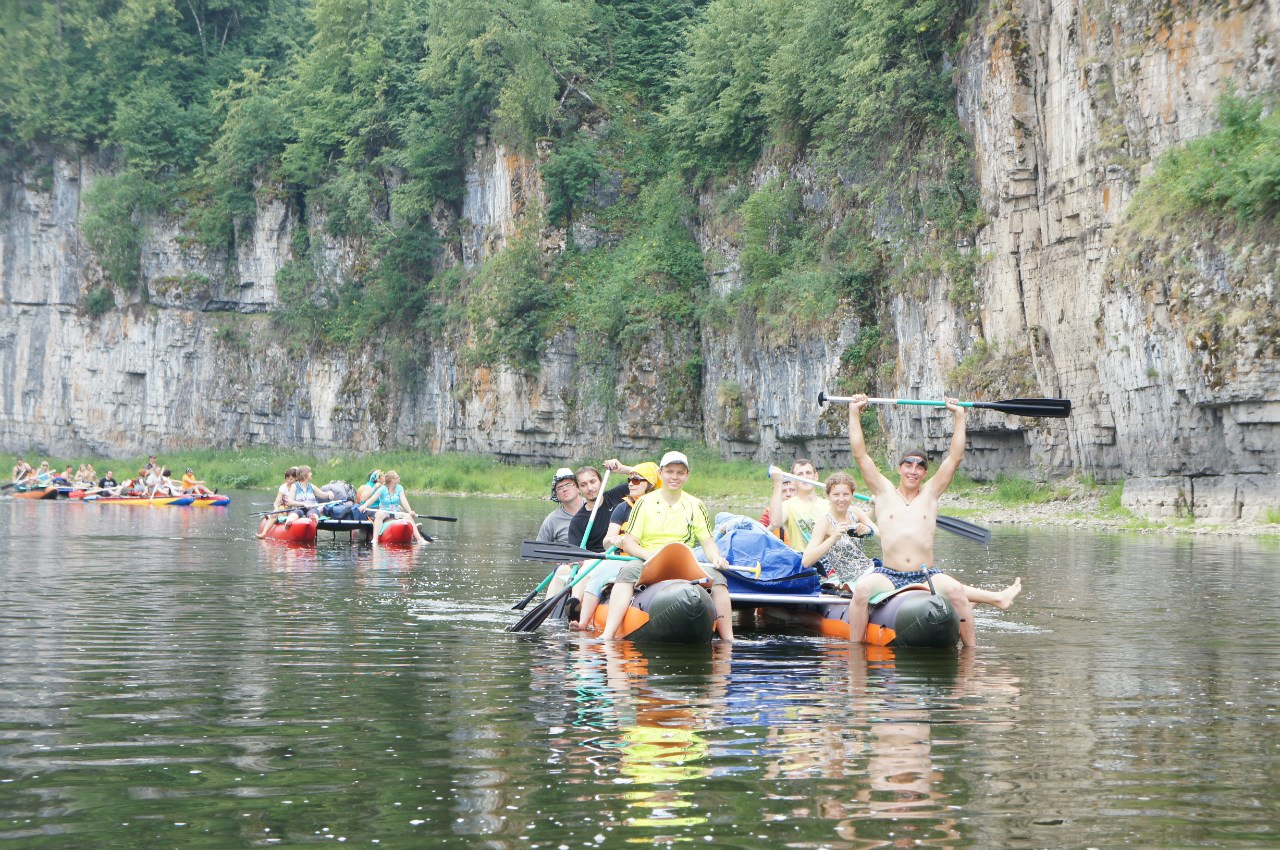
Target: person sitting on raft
[(669, 515), (908, 517), (304, 497), (555, 526), (191, 486), (278, 507), (43, 476), (21, 470), (837, 538), (788, 491), (365, 490), (107, 484), (389, 502), (588, 478), (641, 481), (798, 515)]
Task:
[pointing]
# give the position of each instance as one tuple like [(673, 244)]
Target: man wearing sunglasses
[(908, 518)]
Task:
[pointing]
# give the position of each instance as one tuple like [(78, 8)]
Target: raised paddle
[(954, 525), (1054, 408)]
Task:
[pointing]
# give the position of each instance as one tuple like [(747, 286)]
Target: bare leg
[(379, 517), (954, 591), (1001, 599), (619, 601), (724, 612), (586, 620), (561, 579), (266, 523), (866, 587)]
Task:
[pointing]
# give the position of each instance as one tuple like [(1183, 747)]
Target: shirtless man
[(908, 517)]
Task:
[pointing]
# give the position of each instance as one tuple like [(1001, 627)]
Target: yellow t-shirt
[(654, 523), (188, 481), (801, 518)]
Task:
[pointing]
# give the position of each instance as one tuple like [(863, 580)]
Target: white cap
[(561, 474), (674, 457)]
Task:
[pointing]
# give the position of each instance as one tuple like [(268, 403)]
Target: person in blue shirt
[(388, 501)]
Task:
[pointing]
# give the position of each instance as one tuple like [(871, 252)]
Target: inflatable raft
[(669, 606), (158, 501), (214, 501), (910, 616), (395, 532), (36, 493), (298, 531)]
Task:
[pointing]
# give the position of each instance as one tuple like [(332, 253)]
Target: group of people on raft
[(152, 480), (652, 509), (380, 499)]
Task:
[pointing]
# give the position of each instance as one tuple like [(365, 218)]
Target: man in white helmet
[(564, 489)]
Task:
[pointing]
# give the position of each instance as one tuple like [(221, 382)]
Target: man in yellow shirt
[(798, 515), (669, 515)]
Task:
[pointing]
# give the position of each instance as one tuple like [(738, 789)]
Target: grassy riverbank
[(733, 485)]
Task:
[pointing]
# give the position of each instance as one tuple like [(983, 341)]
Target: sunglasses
[(912, 461), (637, 481)]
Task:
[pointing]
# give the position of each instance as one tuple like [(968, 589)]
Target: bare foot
[(1009, 594)]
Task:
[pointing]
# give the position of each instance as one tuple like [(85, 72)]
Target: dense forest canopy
[(368, 110)]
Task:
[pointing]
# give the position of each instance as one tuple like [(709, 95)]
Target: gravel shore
[(1084, 509)]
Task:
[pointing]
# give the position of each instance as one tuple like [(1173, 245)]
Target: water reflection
[(170, 681)]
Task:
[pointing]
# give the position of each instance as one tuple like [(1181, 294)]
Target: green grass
[(1271, 516), (1016, 490)]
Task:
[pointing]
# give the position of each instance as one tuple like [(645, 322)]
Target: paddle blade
[(438, 518), (964, 529), (532, 550), (1054, 408), (524, 603), (530, 621)]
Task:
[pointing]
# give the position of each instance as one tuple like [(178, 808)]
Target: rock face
[(1067, 105)]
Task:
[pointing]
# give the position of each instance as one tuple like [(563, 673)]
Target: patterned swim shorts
[(901, 580)]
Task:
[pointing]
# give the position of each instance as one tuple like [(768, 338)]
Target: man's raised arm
[(871, 474), (947, 469)]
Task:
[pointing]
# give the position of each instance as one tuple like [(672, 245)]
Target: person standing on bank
[(907, 515), (669, 515)]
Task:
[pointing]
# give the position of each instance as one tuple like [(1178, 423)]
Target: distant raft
[(395, 532), (300, 531), (671, 607)]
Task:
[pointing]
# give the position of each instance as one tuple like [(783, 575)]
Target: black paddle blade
[(438, 518), (524, 603), (964, 529), (530, 621), (1055, 408), (532, 550)]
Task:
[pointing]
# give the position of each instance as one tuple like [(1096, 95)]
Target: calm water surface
[(166, 680)]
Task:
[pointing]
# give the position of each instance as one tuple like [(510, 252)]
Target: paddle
[(532, 550), (604, 485), (286, 510), (954, 525), (535, 617), (1056, 408)]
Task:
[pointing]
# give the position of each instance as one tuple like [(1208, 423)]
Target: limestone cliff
[(1067, 105)]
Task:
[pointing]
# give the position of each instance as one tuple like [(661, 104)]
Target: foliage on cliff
[(362, 113)]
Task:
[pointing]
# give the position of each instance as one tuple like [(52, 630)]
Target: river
[(166, 680)]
